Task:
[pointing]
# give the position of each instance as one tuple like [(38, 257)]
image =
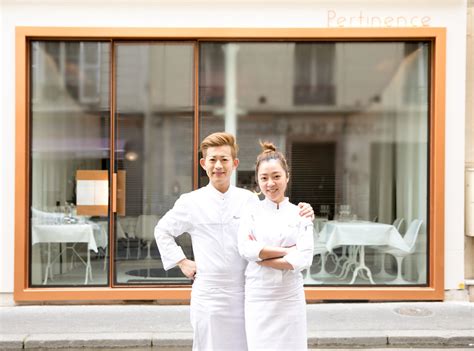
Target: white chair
[(410, 239), (145, 231), (321, 250), (397, 223), (124, 232)]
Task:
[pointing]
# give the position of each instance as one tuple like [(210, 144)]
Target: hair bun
[(267, 147)]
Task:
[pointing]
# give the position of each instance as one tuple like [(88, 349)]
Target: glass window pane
[(155, 109), (69, 230), (352, 119)]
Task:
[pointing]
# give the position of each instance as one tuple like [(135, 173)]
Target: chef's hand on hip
[(188, 267)]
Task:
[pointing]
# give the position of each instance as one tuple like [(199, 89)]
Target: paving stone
[(172, 340), (345, 338), (12, 341), (89, 340)]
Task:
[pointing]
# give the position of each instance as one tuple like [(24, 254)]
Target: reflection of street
[(147, 271), (75, 274)]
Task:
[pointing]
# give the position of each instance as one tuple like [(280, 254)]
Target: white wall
[(6, 233), (214, 13)]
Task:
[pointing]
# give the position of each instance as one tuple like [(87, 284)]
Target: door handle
[(114, 192)]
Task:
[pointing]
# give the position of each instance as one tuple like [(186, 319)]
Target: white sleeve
[(249, 247), (302, 257), (174, 223)]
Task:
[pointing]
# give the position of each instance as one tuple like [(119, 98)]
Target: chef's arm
[(277, 263), (302, 257), (174, 223), (298, 257), (269, 252)]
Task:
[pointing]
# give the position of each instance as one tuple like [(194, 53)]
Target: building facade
[(105, 109)]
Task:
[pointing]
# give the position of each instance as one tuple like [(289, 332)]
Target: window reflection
[(155, 150), (352, 119), (314, 74), (70, 133)]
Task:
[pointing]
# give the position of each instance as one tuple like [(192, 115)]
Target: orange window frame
[(434, 290)]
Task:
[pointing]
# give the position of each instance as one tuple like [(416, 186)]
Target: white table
[(359, 234), (65, 233)]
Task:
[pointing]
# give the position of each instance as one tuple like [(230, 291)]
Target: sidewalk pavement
[(330, 325)]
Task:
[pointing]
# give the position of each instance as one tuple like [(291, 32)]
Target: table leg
[(338, 260), (323, 273), (88, 267), (105, 257), (362, 266), (351, 261), (48, 265)]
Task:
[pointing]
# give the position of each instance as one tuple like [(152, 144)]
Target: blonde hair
[(269, 153), (220, 139)]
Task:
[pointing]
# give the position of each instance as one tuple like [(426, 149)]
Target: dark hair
[(269, 153)]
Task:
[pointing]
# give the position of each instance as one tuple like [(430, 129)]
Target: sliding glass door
[(71, 173), (153, 153), (70, 152)]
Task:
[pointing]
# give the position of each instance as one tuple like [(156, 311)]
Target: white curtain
[(399, 162)]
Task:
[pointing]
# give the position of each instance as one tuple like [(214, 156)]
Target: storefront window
[(69, 138), (154, 152), (352, 118)]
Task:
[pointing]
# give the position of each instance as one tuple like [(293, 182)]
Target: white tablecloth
[(361, 233), (64, 233), (101, 229)]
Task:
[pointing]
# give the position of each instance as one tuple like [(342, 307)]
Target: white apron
[(275, 306), (217, 314), (217, 299), (276, 321)]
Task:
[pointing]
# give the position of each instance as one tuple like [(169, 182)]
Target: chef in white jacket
[(211, 215), (278, 244)]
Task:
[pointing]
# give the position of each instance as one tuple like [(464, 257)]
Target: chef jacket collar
[(274, 206), (217, 193)]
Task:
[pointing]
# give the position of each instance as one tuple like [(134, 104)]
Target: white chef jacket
[(275, 307), (217, 301)]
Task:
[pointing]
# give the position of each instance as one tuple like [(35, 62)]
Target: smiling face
[(219, 165), (272, 180)]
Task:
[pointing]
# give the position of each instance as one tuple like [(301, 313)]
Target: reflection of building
[(354, 116), (340, 129)]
